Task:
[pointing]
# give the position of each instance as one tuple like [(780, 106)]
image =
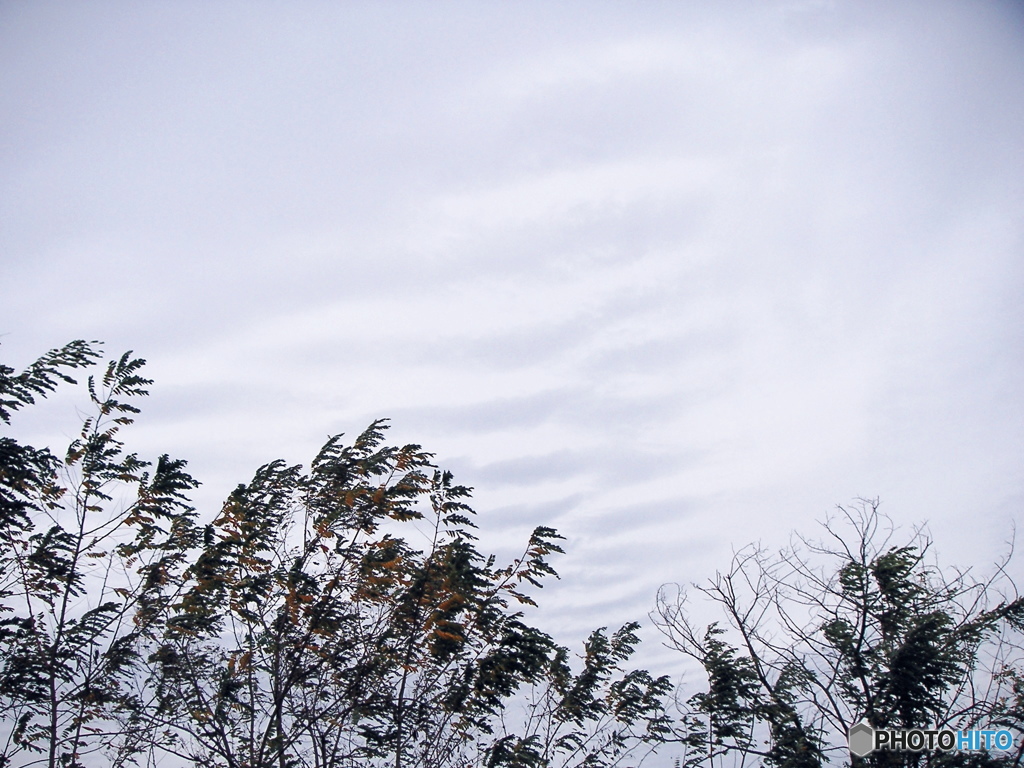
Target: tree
[(85, 542), (344, 617), (335, 616), (824, 634)]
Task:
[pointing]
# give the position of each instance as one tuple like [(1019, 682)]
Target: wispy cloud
[(668, 278)]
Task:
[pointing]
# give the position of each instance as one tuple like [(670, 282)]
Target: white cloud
[(671, 280)]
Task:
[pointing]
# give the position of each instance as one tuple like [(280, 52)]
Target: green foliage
[(344, 617), (78, 570), (335, 616), (43, 376), (828, 635)]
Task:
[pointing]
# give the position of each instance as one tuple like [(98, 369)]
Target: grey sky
[(670, 277)]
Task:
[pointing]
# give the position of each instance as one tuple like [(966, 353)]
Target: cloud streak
[(670, 279)]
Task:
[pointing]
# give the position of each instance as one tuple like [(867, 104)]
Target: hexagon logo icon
[(861, 738)]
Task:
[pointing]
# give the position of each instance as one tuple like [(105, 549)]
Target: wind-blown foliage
[(87, 542), (344, 617), (825, 635), (335, 616)]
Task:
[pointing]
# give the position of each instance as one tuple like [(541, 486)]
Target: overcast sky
[(670, 277)]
